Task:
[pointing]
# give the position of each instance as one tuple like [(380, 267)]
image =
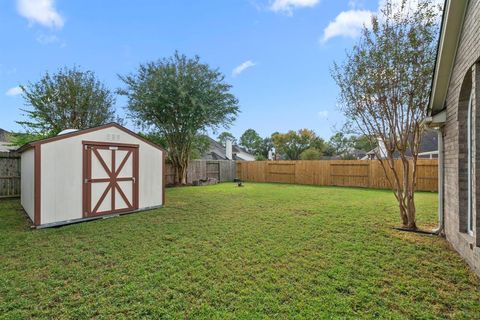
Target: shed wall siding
[(468, 53), (27, 180), (62, 164)]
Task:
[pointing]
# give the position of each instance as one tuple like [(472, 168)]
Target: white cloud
[(355, 3), (242, 67), (15, 91), (323, 114), (347, 24), (287, 6), (47, 38), (350, 23), (40, 11)]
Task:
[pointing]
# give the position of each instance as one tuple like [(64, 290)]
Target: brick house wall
[(465, 77)]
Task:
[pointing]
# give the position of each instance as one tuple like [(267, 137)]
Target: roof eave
[(452, 23)]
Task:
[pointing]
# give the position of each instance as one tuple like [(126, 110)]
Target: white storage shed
[(87, 174)]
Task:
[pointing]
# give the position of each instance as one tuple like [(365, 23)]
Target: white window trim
[(470, 165)]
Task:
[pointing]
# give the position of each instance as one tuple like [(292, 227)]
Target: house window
[(466, 154), (470, 172)]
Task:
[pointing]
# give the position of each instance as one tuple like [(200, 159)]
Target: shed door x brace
[(110, 178)]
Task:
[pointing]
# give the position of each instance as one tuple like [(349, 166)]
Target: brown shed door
[(110, 183)]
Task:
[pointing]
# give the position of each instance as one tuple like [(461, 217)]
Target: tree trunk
[(403, 186), (180, 173), (183, 175), (408, 204)]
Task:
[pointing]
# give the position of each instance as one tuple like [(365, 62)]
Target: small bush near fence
[(351, 173)]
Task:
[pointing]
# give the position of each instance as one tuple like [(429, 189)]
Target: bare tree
[(385, 85)]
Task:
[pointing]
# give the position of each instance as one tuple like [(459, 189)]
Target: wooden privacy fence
[(221, 170), (351, 173), (9, 174)]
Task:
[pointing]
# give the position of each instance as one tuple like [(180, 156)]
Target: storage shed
[(91, 173)]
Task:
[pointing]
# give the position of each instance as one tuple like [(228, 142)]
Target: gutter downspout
[(441, 179), (437, 126)]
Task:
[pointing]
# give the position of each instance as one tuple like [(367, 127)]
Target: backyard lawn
[(261, 251)]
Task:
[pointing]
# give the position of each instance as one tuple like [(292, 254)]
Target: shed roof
[(84, 131)]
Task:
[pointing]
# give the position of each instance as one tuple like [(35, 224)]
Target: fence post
[(369, 174)]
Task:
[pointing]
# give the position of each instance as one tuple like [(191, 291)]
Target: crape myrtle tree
[(68, 99), (179, 98), (385, 85), (200, 143)]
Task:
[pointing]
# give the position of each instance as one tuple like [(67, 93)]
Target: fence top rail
[(350, 164), (338, 162)]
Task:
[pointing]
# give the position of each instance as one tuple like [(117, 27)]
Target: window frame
[(470, 159)]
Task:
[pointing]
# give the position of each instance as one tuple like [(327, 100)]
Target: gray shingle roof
[(217, 152)]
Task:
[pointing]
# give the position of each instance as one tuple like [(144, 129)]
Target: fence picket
[(356, 173)]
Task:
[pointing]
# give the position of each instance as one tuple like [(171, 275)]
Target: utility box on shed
[(86, 174)]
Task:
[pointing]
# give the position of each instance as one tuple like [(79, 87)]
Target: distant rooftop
[(4, 135)]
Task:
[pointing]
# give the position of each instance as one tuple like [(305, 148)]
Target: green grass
[(220, 252)]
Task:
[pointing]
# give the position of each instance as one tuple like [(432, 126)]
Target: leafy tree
[(329, 150), (251, 141), (318, 143), (68, 99), (224, 136), (179, 98), (385, 86), (311, 154), (364, 142), (199, 146), (264, 148), (260, 157), (340, 143), (348, 156), (293, 143), (21, 138), (201, 143)]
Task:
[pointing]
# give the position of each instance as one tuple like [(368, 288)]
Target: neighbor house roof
[(218, 152), (5, 142), (4, 134), (429, 143), (237, 148), (452, 23), (7, 146)]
